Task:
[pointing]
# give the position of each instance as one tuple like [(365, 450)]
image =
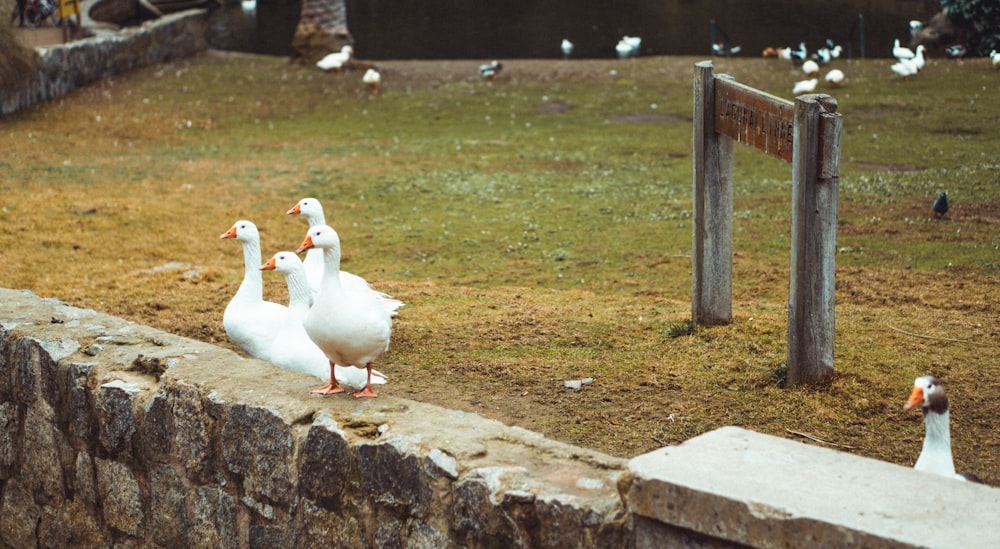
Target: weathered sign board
[(805, 133), (754, 118)]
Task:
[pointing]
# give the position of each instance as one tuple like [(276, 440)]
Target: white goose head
[(244, 231), (320, 236), (311, 209), (283, 262), (928, 393)]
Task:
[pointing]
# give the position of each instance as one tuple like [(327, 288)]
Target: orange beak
[(295, 210), (916, 399), (269, 266), (307, 244), (231, 233)]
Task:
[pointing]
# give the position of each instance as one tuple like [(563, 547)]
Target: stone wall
[(113, 434), (63, 68)]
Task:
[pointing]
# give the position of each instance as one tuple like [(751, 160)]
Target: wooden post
[(815, 182), (712, 250)]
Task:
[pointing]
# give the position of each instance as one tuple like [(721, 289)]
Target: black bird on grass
[(941, 204)]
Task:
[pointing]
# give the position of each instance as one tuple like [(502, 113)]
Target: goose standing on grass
[(312, 210), (918, 58), (373, 79), (905, 68), (292, 349), (352, 328), (336, 60), (805, 86), (995, 59), (810, 67), (901, 52), (834, 78), (250, 322), (935, 457)]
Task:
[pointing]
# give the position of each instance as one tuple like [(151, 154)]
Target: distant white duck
[(918, 57), (935, 456), (352, 328), (785, 53), (567, 48), (835, 77), (905, 68), (810, 67), (292, 349), (336, 60), (250, 322), (901, 52), (312, 211), (373, 79), (995, 58), (490, 70), (805, 86), (799, 54), (628, 46)]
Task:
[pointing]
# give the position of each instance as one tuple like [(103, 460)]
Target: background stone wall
[(63, 68)]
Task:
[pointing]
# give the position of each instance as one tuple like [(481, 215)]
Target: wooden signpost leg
[(815, 182), (712, 251)]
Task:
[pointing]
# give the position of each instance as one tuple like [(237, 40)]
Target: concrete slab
[(766, 491)]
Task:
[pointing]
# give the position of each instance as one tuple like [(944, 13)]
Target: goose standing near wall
[(312, 210), (352, 328), (292, 349), (373, 79), (935, 457), (336, 60), (250, 322)]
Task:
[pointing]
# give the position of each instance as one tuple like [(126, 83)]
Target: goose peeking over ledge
[(935, 457)]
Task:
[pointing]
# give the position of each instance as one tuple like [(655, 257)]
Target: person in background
[(19, 12)]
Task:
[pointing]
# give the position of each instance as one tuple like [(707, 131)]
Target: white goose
[(351, 327), (292, 349), (312, 210), (336, 60), (805, 86), (901, 52), (935, 457), (251, 322)]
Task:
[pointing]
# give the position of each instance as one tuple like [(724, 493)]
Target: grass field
[(538, 228)]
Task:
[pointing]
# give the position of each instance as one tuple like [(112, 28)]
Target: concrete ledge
[(763, 491)]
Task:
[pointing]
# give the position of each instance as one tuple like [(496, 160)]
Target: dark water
[(487, 29)]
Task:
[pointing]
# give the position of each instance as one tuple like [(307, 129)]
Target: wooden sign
[(754, 118)]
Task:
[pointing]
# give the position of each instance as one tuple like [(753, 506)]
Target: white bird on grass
[(567, 48), (312, 211), (905, 68), (250, 322), (336, 60), (901, 52), (373, 79), (352, 328), (810, 67), (834, 77), (292, 349), (805, 86)]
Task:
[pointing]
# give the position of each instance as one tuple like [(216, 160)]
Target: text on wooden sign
[(754, 118)]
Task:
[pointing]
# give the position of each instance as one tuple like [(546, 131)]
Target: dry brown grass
[(111, 202)]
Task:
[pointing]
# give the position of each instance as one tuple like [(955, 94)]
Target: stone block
[(257, 444), (326, 464), (392, 470), (764, 491), (80, 403), (10, 438), (20, 515), (121, 498), (167, 512), (213, 524), (39, 462), (116, 405)]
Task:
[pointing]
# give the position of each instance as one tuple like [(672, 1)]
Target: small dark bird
[(490, 71), (941, 204)]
